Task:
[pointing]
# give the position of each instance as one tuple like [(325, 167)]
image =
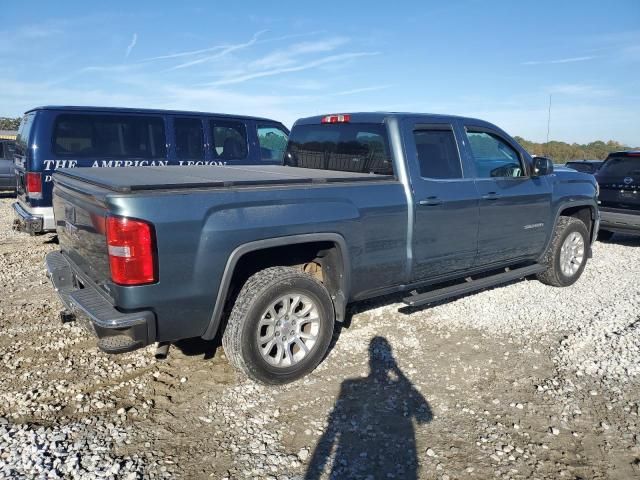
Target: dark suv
[(586, 166), (619, 199)]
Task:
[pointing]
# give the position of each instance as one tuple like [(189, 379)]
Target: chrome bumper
[(33, 220)]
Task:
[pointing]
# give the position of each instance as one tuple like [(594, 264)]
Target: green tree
[(7, 123), (562, 152)]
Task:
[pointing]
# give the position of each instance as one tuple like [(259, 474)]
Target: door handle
[(431, 201), (491, 196)]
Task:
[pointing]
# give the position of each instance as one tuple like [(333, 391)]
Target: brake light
[(342, 118), (131, 251), (33, 182)]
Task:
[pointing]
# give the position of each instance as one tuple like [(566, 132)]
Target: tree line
[(560, 152)]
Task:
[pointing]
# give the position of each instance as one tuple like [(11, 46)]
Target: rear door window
[(24, 131), (437, 153), (229, 140), (273, 142), (345, 147), (110, 136), (189, 138)]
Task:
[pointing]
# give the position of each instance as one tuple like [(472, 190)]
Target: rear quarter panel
[(198, 230)]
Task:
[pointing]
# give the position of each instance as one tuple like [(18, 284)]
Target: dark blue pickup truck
[(270, 256)]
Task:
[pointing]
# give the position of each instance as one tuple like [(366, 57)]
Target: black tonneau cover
[(176, 177)]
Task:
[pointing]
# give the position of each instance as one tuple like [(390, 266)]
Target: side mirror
[(542, 166)]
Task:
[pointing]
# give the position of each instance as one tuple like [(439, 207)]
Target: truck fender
[(340, 298), (567, 206)]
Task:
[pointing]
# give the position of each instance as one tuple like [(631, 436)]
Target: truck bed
[(132, 179)]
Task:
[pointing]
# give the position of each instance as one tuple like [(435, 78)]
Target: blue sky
[(497, 60)]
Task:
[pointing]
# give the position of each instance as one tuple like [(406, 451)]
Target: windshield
[(346, 147), (621, 166)]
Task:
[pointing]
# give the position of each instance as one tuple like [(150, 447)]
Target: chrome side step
[(471, 285)]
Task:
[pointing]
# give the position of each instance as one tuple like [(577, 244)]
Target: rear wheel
[(604, 235), (566, 257), (280, 326)]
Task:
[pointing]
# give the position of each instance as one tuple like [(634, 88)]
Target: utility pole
[(548, 123)]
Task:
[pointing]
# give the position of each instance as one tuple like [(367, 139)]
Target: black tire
[(553, 275), (240, 341), (604, 235)]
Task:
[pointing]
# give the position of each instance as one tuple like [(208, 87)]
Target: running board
[(470, 285)]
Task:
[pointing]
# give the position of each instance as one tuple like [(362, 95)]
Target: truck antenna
[(548, 122)]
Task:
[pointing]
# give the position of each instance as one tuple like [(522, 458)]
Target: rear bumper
[(117, 332), (620, 220), (33, 220)]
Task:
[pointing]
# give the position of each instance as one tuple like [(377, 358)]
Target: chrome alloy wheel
[(288, 330), (571, 254)]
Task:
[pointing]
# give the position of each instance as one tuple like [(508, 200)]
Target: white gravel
[(69, 411)]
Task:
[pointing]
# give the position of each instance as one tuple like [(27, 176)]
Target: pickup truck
[(269, 257)]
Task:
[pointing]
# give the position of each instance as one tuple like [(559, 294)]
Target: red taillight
[(131, 251), (33, 182), (342, 118)]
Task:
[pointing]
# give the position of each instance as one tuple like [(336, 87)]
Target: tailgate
[(80, 214), (623, 193)]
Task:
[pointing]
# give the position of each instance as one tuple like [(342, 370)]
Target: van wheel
[(566, 257), (280, 326)]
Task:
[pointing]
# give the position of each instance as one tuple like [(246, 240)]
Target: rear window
[(345, 147), (621, 166), (24, 131), (109, 136), (582, 167)]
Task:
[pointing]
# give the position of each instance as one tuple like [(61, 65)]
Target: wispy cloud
[(363, 90), (560, 60), (297, 68), (581, 89), (132, 44), (224, 51)]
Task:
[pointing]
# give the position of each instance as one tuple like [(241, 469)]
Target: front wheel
[(280, 326), (566, 257)]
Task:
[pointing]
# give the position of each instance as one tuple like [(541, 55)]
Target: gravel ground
[(523, 381)]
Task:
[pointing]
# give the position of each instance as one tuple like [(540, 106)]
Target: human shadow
[(370, 433)]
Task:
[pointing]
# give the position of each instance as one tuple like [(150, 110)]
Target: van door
[(515, 209), (229, 142), (445, 231)]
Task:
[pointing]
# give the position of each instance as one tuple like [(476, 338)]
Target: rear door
[(515, 209), (445, 233)]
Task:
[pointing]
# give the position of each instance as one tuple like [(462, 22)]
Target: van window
[(437, 153), (109, 136), (24, 131), (345, 147), (229, 140), (189, 138), (273, 141)]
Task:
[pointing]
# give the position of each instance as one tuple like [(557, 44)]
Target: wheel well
[(583, 213), (322, 259)]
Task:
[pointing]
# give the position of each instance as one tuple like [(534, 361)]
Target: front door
[(445, 202), (515, 208)]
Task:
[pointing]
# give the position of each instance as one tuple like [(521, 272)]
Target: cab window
[(493, 156), (273, 142)]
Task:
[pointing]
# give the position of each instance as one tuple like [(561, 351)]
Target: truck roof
[(380, 117), (77, 108)]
